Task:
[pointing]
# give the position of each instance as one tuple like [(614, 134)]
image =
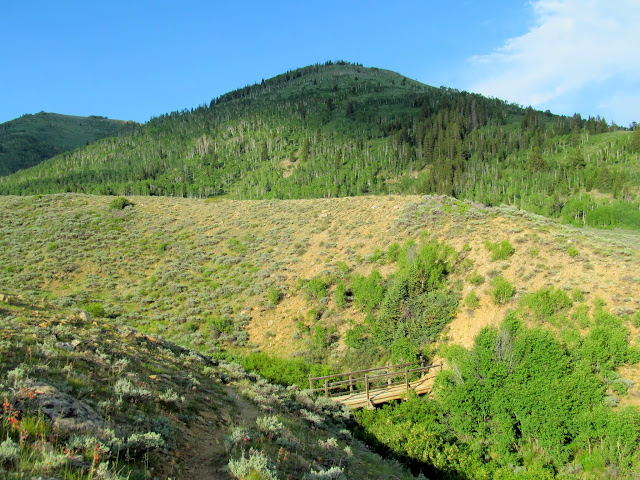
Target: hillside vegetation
[(340, 129), (288, 288), (90, 398), (30, 139)]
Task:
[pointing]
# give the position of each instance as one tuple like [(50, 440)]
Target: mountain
[(341, 129), (140, 333), (30, 139)]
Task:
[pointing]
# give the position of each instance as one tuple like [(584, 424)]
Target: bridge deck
[(386, 394)]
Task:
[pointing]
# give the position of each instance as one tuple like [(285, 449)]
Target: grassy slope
[(199, 272), (30, 139), (181, 415)]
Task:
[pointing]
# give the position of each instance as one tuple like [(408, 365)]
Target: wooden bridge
[(368, 388)]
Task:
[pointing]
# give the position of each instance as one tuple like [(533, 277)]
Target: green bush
[(316, 288), (283, 371), (376, 256), (500, 251), (606, 345), (573, 251), (368, 291), (95, 310), (320, 337), (340, 295), (393, 252), (472, 300), (475, 279), (547, 302), (273, 295), (120, 203), (355, 337), (502, 290), (577, 295), (343, 269)]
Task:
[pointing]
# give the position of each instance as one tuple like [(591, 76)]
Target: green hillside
[(88, 398), (30, 139), (537, 324), (341, 129)]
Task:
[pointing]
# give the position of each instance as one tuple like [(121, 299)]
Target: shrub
[(17, 376), (375, 257), (340, 295), (273, 295), (120, 203), (355, 337), (547, 302), (256, 466), (316, 288), (368, 291), (577, 295), (573, 251), (50, 461), (393, 252), (500, 251), (238, 436), (334, 473), (320, 337), (475, 279), (126, 390), (95, 310), (472, 300), (502, 290), (606, 345), (9, 453), (270, 426), (343, 269)]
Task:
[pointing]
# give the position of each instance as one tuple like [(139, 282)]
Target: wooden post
[(421, 361), (326, 388), (366, 383), (350, 381), (406, 379), (388, 372), (310, 383)]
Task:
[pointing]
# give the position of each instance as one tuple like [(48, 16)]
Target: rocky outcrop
[(67, 413)]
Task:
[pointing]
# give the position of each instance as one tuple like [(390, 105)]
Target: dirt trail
[(203, 455)]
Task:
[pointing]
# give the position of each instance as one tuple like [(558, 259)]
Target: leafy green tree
[(635, 140)]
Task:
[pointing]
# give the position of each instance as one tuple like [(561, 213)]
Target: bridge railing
[(365, 380)]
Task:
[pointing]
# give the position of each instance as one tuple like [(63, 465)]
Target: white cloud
[(573, 45)]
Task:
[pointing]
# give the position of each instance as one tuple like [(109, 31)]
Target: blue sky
[(135, 59)]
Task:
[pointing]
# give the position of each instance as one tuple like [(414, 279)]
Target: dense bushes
[(120, 203), (500, 251), (282, 371), (519, 399), (408, 310), (547, 302), (368, 291), (502, 290)]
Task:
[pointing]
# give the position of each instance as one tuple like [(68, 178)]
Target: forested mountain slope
[(343, 129), (30, 139)]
